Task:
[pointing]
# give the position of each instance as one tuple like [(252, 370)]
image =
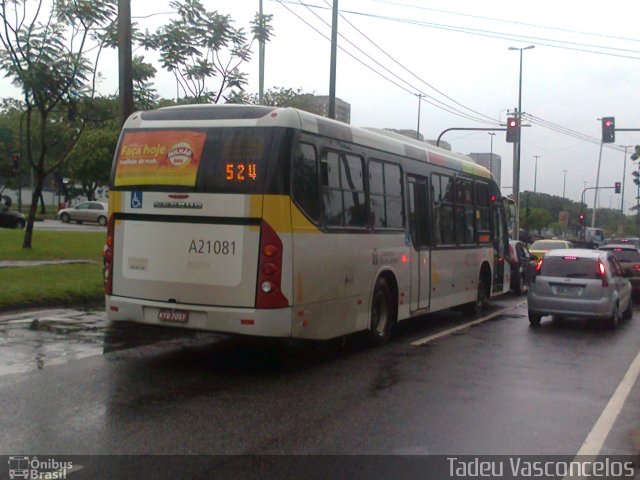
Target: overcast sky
[(585, 65)]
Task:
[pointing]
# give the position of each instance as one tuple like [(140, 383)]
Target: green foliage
[(281, 97), (200, 45)]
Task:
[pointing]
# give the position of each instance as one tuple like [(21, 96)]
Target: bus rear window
[(214, 160)]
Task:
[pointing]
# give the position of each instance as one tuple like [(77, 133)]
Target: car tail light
[(538, 266), (107, 257), (268, 293), (636, 266), (602, 272)]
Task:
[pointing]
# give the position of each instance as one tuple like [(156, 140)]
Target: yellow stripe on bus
[(280, 212)]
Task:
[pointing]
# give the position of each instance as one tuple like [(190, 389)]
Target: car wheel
[(628, 313), (102, 221), (20, 223), (612, 321), (381, 316), (520, 287), (65, 217), (534, 319)]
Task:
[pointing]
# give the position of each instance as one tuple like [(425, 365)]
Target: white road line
[(594, 441), (419, 343)]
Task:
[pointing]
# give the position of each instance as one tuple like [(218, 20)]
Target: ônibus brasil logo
[(32, 468)]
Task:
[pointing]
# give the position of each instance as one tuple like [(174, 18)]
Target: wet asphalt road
[(70, 383)]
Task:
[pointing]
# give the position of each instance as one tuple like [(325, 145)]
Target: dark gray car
[(580, 283)]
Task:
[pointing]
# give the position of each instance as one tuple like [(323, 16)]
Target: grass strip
[(52, 245), (52, 284)]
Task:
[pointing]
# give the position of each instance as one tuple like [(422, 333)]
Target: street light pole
[(418, 127), (564, 183), (491, 153), (516, 160), (535, 174)]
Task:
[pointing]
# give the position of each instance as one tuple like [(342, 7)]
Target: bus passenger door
[(420, 242)]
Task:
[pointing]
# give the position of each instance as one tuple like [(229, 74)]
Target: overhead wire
[(490, 119), (439, 104), (546, 27), (525, 116)]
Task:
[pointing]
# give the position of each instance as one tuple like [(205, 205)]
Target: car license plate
[(566, 290), (174, 316)]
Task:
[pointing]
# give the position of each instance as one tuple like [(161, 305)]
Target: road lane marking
[(444, 333), (594, 441)]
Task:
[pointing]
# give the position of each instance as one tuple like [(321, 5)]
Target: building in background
[(412, 134), (343, 109), (490, 161)]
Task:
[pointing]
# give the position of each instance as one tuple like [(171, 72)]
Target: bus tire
[(482, 294), (381, 315)]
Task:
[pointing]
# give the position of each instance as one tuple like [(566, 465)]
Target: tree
[(45, 53), (281, 97), (201, 45)]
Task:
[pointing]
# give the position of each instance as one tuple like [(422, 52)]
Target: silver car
[(85, 212), (579, 283)]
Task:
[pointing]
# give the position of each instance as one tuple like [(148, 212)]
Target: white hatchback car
[(579, 283)]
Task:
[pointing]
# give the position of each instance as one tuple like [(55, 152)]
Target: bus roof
[(201, 116)]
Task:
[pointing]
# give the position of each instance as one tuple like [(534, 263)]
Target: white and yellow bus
[(275, 222)]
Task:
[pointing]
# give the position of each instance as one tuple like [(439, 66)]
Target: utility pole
[(564, 184), (124, 60), (334, 52)]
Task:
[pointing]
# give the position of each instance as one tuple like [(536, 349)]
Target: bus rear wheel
[(382, 315)]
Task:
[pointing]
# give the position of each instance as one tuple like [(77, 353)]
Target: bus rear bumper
[(243, 321)]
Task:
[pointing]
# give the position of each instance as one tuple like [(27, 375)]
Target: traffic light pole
[(585, 206), (595, 198)]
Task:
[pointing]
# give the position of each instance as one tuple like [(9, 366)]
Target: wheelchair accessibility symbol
[(136, 199)]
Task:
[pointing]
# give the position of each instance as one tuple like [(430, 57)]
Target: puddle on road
[(31, 340), (34, 340)]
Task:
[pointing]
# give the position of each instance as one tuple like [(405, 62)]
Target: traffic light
[(636, 177), (513, 130), (581, 218), (608, 130), (15, 162), (636, 154), (617, 187)]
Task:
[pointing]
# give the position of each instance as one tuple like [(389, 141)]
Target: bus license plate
[(174, 316)]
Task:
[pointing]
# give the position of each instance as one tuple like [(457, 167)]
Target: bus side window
[(385, 195), (305, 180)]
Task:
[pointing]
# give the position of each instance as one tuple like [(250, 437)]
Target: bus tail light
[(268, 292), (107, 257)]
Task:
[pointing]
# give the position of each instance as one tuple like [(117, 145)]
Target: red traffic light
[(513, 129), (581, 217), (608, 129), (617, 187)]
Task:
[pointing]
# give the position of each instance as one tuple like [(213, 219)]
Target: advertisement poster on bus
[(167, 157)]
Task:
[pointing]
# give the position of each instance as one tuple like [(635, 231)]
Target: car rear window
[(570, 267), (625, 255)]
